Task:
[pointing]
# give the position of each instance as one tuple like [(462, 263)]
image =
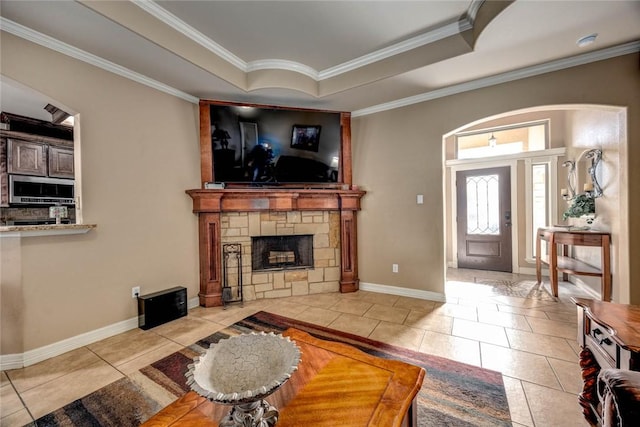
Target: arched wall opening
[(573, 128)]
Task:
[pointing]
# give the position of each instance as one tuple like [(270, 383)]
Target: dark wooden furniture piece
[(609, 335), (563, 263), (335, 385)]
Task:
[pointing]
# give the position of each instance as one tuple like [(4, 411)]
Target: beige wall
[(603, 129), (398, 154), (140, 152)]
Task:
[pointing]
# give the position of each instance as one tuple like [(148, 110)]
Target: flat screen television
[(269, 145)]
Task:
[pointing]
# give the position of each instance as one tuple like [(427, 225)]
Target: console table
[(335, 385), (563, 263), (609, 335)]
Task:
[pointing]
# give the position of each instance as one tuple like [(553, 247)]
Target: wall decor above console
[(306, 174)]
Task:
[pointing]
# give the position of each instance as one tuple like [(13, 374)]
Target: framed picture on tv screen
[(305, 137)]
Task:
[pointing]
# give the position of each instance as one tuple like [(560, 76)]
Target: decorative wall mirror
[(582, 205), (591, 188)]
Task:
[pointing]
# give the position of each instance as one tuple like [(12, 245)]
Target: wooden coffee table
[(335, 385)]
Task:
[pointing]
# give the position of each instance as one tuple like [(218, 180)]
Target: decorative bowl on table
[(241, 371)]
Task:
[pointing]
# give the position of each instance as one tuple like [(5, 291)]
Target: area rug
[(524, 288), (453, 393)]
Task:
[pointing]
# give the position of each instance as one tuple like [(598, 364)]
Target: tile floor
[(498, 321)]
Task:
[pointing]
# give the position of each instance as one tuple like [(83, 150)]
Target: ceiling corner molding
[(73, 52), (158, 12), (522, 73), (282, 64), (474, 7), (182, 27), (396, 49)]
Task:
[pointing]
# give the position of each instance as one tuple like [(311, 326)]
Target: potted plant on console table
[(581, 206)]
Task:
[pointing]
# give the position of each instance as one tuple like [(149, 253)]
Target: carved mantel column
[(209, 204)]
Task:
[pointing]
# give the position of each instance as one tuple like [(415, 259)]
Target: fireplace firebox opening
[(281, 252)]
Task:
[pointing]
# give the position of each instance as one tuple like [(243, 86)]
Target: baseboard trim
[(20, 360), (404, 292)]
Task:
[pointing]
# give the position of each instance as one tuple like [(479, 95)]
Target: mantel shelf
[(274, 199)]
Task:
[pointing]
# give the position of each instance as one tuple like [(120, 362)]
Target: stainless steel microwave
[(37, 190)]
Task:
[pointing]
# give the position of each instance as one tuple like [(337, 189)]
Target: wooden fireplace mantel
[(209, 204)]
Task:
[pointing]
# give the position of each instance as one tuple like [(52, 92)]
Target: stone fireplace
[(285, 253), (236, 215)]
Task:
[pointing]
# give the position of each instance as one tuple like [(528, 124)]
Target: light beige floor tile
[(518, 405), (187, 330), (4, 379), (377, 298), (317, 300), (530, 312), (9, 400), (17, 419), (354, 324), (458, 311), (454, 348), (553, 327), (387, 313), (518, 302), (568, 373), (285, 308), (318, 316), (355, 307), (479, 332), (563, 317), (551, 407), (233, 311), (26, 378), (400, 335), (518, 364), (127, 346), (53, 395), (478, 303), (544, 345), (498, 318), (415, 304), (430, 321), (149, 358), (573, 343)]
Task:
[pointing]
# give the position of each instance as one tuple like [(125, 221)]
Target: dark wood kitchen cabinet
[(61, 162), (27, 158)]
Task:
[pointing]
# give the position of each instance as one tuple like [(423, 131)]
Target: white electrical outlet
[(135, 292), (394, 268)]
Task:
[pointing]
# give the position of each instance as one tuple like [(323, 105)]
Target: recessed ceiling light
[(586, 40)]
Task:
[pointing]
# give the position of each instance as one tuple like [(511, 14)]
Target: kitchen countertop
[(44, 230)]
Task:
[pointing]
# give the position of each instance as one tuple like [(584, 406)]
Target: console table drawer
[(578, 239), (602, 342)]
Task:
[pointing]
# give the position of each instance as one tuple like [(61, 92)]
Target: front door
[(484, 219)]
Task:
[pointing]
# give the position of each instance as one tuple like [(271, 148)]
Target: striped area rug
[(453, 393)]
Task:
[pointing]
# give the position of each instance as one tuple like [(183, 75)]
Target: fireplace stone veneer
[(235, 215), (323, 227)]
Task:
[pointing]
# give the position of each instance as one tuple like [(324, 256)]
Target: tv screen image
[(274, 145)]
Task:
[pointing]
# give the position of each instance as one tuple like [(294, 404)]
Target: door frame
[(471, 165)]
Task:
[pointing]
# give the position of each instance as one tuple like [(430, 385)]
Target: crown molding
[(396, 49), (163, 15), (66, 49), (187, 30), (282, 64), (521, 73)]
